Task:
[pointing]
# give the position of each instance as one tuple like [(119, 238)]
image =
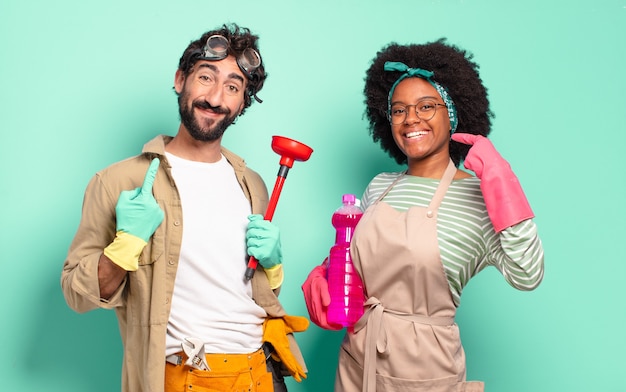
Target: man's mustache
[(206, 106)]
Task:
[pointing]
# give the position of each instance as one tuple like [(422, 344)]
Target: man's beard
[(189, 120)]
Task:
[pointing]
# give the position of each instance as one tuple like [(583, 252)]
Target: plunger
[(289, 151)]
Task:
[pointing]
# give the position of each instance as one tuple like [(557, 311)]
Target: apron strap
[(376, 336), (390, 187), (445, 181)]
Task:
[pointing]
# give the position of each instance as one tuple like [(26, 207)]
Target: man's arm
[(97, 264), (110, 277)]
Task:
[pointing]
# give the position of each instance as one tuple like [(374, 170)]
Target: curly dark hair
[(453, 69), (240, 38)]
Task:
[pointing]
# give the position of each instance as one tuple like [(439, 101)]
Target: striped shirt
[(467, 240)]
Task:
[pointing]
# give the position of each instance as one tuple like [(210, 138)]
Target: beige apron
[(407, 339)]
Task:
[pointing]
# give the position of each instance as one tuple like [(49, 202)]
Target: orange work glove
[(275, 332)]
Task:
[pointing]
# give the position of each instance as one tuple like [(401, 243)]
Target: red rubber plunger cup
[(289, 151)]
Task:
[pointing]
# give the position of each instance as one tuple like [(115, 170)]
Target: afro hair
[(453, 69)]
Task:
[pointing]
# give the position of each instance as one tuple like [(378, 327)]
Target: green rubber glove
[(263, 241), (138, 216)]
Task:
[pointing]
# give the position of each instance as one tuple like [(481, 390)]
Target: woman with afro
[(428, 230)]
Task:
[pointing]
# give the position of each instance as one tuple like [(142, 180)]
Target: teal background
[(85, 84)]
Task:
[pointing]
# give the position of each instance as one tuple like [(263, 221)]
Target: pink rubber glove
[(504, 198), (317, 298)]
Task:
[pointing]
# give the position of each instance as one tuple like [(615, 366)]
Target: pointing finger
[(150, 176), (465, 138)]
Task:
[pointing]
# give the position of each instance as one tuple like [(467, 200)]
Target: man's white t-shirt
[(212, 301)]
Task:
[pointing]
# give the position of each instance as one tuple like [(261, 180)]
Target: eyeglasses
[(425, 110), (216, 48)]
